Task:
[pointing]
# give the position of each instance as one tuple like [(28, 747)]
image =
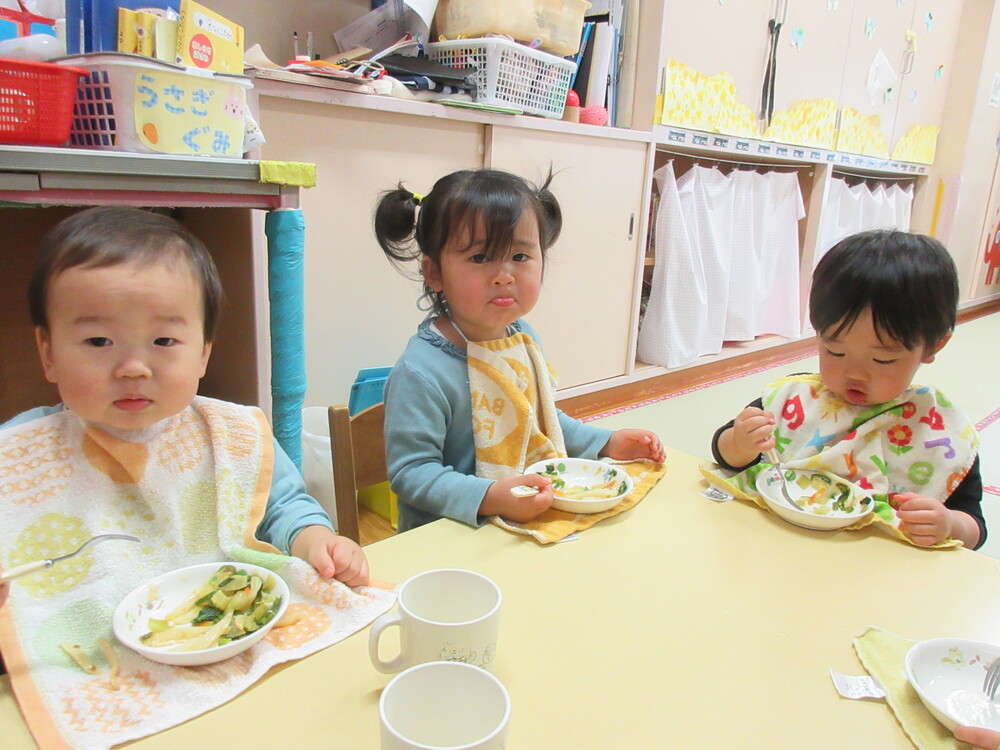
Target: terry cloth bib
[(193, 488), (917, 443), (514, 418)]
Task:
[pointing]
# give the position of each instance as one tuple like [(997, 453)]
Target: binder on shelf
[(597, 81)]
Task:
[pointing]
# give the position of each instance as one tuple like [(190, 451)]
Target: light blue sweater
[(430, 453), (289, 508)]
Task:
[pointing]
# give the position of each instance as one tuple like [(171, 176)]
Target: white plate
[(583, 472), (769, 487), (948, 674), (157, 597)]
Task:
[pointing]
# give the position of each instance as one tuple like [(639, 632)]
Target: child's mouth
[(855, 396), (132, 404), (502, 301)]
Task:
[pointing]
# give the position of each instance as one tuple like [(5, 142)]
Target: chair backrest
[(358, 449)]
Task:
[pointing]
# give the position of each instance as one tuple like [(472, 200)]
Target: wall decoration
[(806, 123), (918, 145), (881, 77), (870, 28), (798, 38), (694, 100), (861, 134), (929, 21)]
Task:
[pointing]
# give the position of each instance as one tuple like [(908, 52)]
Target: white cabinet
[(359, 311), (584, 314)]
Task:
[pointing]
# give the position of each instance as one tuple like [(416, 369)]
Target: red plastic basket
[(36, 102)]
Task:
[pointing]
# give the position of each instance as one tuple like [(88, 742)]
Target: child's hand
[(752, 433), (978, 737), (499, 502), (628, 445), (927, 521), (332, 555), (923, 519)]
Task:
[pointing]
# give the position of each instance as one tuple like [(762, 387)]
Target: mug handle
[(388, 620)]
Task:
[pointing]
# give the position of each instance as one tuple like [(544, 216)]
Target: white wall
[(271, 22)]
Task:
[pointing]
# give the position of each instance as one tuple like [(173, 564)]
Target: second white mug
[(442, 615)]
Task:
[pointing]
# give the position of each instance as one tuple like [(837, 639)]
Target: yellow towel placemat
[(883, 654), (884, 516), (555, 525)]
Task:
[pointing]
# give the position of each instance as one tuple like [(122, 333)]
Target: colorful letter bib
[(917, 443)]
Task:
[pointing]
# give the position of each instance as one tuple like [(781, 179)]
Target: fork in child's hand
[(772, 456)]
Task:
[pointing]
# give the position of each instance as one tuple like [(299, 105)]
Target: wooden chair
[(358, 448)]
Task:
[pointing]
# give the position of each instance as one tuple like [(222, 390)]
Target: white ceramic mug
[(444, 704), (442, 615)]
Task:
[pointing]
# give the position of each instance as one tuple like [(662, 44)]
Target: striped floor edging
[(694, 388)]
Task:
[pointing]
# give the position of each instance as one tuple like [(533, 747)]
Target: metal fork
[(772, 456), (31, 567), (992, 681)]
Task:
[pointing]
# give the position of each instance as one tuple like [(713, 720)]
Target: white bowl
[(948, 674), (583, 472), (768, 485), (160, 595)]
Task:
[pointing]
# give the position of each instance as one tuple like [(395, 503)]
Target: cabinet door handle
[(631, 225)]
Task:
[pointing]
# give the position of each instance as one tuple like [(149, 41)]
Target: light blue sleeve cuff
[(290, 508)]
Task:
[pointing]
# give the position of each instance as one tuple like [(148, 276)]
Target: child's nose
[(504, 273), (132, 366), (856, 370)]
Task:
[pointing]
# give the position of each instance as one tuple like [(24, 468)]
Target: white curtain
[(727, 262), (848, 210)]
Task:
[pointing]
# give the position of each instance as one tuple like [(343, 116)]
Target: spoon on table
[(31, 567)]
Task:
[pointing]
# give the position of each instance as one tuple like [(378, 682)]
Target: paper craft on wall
[(861, 134), (694, 100), (918, 145), (881, 78), (806, 123)]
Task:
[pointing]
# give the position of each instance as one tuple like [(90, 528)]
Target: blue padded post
[(285, 230)]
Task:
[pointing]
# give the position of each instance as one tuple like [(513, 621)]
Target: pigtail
[(550, 220), (395, 223)]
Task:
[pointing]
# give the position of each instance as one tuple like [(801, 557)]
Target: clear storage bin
[(509, 74), (551, 25)]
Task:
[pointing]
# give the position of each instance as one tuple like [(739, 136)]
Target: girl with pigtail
[(470, 403)]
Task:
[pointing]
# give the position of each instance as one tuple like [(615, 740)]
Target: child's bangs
[(487, 216)]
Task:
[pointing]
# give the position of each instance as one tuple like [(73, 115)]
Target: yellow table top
[(681, 623)]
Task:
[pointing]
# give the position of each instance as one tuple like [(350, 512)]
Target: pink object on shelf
[(594, 115)]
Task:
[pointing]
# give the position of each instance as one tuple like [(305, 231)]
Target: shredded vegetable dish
[(230, 605), (824, 495), (606, 485)]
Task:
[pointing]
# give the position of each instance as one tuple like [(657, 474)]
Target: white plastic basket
[(509, 74), (136, 103)]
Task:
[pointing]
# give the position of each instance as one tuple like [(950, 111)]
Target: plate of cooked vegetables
[(201, 614), (822, 500), (581, 485)]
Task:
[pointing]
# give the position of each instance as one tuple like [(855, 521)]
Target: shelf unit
[(39, 186)]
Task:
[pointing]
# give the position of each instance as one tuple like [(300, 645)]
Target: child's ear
[(204, 358), (931, 351), (44, 344), (431, 272)]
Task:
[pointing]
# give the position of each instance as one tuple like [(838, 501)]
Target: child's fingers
[(349, 562), (322, 561), (978, 737)]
